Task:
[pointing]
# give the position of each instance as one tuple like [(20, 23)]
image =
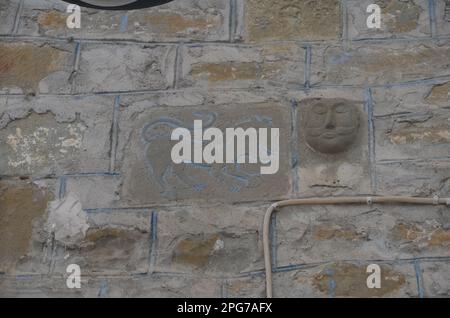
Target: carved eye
[(342, 109), (320, 109)]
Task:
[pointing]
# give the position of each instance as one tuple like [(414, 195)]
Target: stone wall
[(83, 180)]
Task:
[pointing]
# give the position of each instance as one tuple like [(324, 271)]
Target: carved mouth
[(329, 135)]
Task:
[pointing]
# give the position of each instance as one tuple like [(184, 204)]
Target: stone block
[(30, 68), (292, 20), (435, 279), (213, 241), (189, 20), (346, 280), (442, 17), (410, 99), (412, 135), (242, 66), (55, 135), (377, 64), (332, 136), (109, 247), (94, 192), (111, 68), (23, 209), (246, 287), (151, 176), (424, 178), (316, 234), (8, 11), (399, 19)]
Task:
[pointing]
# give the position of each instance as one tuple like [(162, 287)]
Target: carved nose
[(330, 122)]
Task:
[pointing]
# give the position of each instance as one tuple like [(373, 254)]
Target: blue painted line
[(123, 23), (76, 54), (154, 240), (295, 156), (368, 104), (308, 54), (103, 291), (419, 278), (62, 187), (92, 174), (432, 13)]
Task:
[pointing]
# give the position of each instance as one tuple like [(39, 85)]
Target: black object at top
[(118, 4)]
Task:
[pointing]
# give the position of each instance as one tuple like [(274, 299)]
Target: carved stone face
[(331, 125)]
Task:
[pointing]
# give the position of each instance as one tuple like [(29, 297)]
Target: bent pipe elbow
[(332, 201)]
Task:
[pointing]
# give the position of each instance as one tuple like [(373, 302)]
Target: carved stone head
[(331, 125)]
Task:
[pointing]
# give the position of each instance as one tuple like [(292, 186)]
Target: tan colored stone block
[(292, 20)]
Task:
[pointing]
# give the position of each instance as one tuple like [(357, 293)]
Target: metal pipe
[(332, 201)]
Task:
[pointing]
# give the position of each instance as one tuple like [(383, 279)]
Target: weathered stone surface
[(53, 135), (398, 19), (31, 68), (180, 20), (8, 10), (22, 206), (248, 287), (414, 177), (108, 249), (150, 176), (292, 20), (36, 287), (156, 286), (413, 136), (435, 279), (109, 68), (440, 95), (346, 280), (95, 192), (422, 235), (410, 99), (93, 184), (236, 66), (442, 17), (67, 222), (314, 234), (368, 64), (214, 241), (333, 173)]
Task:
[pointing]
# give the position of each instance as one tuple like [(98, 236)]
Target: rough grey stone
[(209, 240), (314, 234), (31, 68), (413, 135), (410, 99), (398, 19), (346, 280), (442, 17), (95, 192), (8, 10), (236, 66), (109, 68), (55, 135), (108, 248), (247, 287), (376, 64), (435, 279), (187, 20), (426, 177)]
